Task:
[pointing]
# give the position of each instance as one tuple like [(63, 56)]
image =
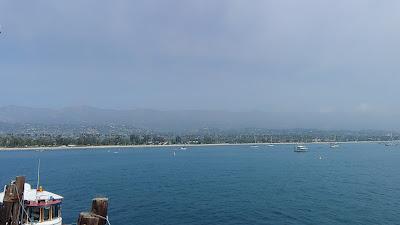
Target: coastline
[(91, 147)]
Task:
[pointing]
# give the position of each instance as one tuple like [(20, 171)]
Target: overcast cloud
[(289, 56)]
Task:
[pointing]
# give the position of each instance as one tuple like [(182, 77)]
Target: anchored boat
[(39, 207), (300, 148), (334, 145)]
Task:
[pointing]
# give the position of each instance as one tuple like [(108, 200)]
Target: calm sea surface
[(355, 184)]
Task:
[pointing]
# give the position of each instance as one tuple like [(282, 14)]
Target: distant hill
[(190, 119), (143, 118)]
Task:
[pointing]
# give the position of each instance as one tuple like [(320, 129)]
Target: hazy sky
[(281, 55)]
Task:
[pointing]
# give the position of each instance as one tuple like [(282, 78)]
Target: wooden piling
[(20, 183), (100, 208), (8, 202), (19, 192), (13, 196), (97, 215), (87, 219), (2, 214)]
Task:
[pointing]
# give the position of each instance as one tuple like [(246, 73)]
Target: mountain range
[(192, 119)]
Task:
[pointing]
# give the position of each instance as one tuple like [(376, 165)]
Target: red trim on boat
[(39, 204)]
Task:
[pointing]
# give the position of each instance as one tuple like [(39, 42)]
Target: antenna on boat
[(38, 176)]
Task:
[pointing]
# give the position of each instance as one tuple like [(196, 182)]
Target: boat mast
[(38, 176)]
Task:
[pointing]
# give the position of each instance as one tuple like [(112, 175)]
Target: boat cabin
[(41, 207)]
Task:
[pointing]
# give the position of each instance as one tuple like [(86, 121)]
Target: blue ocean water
[(355, 184)]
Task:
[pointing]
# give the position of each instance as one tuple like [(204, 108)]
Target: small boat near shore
[(300, 148), (334, 145), (391, 142), (271, 143)]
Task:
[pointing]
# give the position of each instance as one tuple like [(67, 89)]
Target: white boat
[(255, 143), (40, 207), (271, 145), (390, 143), (334, 145), (300, 148), (183, 148)]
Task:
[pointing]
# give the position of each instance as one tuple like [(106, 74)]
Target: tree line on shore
[(86, 139)]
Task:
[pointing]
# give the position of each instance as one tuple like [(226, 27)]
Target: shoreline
[(55, 148)]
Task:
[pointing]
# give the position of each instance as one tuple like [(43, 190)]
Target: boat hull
[(301, 148), (57, 221)]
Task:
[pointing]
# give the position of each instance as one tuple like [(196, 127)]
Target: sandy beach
[(55, 148)]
